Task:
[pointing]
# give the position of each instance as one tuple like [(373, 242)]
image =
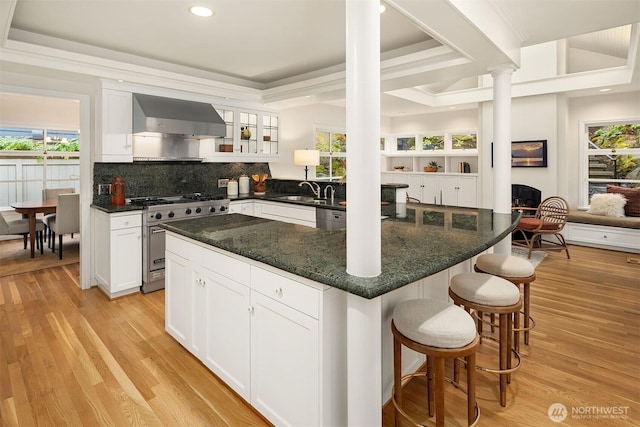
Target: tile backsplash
[(143, 179)]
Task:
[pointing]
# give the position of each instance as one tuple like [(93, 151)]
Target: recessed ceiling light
[(382, 8), (606, 89), (201, 11), (453, 107)]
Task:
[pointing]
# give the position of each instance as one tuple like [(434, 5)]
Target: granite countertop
[(109, 208), (426, 240)]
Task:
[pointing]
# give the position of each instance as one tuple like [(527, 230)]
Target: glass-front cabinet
[(270, 133), (251, 136)]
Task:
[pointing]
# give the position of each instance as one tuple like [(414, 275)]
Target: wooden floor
[(71, 357)]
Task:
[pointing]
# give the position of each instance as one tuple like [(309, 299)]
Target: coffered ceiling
[(289, 51)]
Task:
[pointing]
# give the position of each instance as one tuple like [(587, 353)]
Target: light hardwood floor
[(71, 357)]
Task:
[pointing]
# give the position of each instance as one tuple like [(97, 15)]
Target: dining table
[(31, 209)]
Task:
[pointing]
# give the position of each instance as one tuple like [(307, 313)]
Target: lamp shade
[(306, 157)]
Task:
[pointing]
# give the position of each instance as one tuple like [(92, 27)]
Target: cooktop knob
[(222, 208), (171, 214), (198, 210), (212, 209), (188, 211), (158, 215)]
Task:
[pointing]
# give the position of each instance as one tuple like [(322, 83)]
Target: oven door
[(153, 277), (156, 248)]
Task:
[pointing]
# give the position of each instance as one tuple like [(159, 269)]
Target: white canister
[(244, 184), (232, 187)]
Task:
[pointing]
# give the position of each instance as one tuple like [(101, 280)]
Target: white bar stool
[(485, 293), (518, 271), (439, 330)]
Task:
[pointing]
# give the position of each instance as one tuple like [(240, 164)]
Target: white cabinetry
[(458, 191), (118, 252), (244, 207), (294, 214), (600, 236), (252, 135), (114, 126), (276, 339), (437, 188)]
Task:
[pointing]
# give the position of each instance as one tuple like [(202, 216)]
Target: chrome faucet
[(315, 190), (333, 192)]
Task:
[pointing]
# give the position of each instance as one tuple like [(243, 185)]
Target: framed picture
[(529, 154)]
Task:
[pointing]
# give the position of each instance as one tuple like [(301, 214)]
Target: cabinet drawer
[(284, 211), (294, 294), (125, 221), (628, 239), (226, 266), (183, 248)]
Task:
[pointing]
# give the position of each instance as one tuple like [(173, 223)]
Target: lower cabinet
[(279, 341), (437, 188), (117, 251), (294, 214)]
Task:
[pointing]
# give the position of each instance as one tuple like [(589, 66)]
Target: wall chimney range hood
[(176, 117)]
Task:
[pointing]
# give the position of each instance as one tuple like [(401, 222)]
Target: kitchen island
[(268, 306)]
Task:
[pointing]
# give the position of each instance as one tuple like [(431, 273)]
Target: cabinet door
[(449, 189), (228, 332), (284, 363), (126, 259), (178, 298), (467, 191), (117, 126), (430, 189)]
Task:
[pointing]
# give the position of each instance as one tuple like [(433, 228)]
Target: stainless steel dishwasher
[(329, 219)]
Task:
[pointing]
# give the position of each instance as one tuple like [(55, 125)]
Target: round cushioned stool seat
[(434, 323), (505, 265), (485, 289)]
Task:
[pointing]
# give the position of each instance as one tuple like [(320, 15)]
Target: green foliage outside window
[(617, 137)]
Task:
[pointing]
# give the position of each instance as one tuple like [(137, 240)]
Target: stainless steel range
[(166, 209)]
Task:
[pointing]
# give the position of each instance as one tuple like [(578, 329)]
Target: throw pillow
[(607, 205), (632, 208)]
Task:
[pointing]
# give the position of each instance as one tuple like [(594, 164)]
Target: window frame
[(329, 154), (585, 153)]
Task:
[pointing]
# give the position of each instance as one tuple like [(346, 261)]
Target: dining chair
[(67, 220), (21, 227), (52, 193)]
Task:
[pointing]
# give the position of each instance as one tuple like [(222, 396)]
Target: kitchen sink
[(296, 198)]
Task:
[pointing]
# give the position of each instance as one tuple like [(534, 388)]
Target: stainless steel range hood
[(172, 129), (175, 116)]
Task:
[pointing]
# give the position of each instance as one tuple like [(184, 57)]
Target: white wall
[(444, 121), (532, 118), (296, 132), (20, 110)]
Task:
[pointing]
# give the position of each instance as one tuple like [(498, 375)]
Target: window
[(333, 154), (32, 159), (610, 154)]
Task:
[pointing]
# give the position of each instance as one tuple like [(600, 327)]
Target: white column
[(364, 361), (502, 148), (363, 137), (364, 351)]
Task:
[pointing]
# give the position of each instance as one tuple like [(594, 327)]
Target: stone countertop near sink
[(426, 240), (109, 208)]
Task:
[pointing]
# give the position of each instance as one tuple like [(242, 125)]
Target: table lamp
[(306, 158)]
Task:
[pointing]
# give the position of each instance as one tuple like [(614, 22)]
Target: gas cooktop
[(169, 200)]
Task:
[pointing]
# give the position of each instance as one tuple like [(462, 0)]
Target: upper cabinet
[(252, 135), (443, 152), (114, 126)]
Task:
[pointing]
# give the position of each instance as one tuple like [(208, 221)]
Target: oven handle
[(158, 230)]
